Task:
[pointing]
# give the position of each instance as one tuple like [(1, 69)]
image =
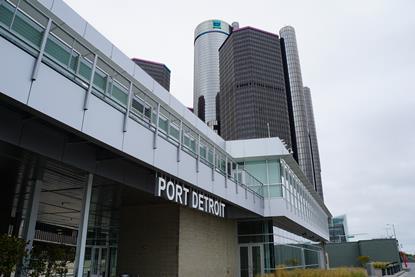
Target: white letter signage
[(188, 197)]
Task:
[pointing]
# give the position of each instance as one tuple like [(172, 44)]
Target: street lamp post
[(393, 228)]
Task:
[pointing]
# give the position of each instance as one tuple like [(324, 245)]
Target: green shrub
[(363, 260), (380, 265), (13, 250)]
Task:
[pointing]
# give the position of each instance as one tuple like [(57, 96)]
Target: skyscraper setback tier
[(158, 71), (302, 150), (253, 99)]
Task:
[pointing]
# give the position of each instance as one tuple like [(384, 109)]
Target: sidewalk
[(411, 272)]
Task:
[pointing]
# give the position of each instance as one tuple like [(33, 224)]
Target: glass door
[(98, 263), (251, 260)]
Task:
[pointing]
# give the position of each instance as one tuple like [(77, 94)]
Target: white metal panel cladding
[(297, 98), (15, 77), (208, 39), (67, 100)]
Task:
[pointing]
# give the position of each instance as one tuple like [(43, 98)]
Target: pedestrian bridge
[(57, 67)]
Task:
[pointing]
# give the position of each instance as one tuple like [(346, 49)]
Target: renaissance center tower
[(302, 149), (209, 36)]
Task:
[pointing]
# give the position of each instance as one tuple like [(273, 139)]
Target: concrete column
[(83, 228), (30, 224)]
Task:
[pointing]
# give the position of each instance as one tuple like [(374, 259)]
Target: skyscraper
[(253, 99), (302, 149), (209, 36), (160, 72), (313, 141)]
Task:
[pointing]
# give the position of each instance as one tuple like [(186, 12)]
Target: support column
[(41, 51), (83, 228), (30, 226), (303, 258)]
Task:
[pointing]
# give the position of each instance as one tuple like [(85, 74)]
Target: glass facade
[(280, 181), (338, 229), (275, 247)]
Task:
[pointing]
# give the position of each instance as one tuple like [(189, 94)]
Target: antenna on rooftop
[(269, 133)]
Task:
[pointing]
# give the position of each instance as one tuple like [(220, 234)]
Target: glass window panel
[(193, 144), (6, 14), (57, 50), (27, 29), (258, 170), (100, 80), (274, 172), (147, 112), (174, 131), (137, 106), (33, 13), (154, 116), (163, 124), (85, 69), (210, 155), (203, 151), (275, 191), (119, 94), (73, 62)]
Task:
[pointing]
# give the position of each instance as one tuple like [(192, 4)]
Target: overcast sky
[(358, 58)]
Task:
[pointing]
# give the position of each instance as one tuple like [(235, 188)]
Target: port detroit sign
[(187, 196)]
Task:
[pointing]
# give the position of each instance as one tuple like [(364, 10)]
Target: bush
[(338, 272), (363, 260), (13, 250), (380, 265)]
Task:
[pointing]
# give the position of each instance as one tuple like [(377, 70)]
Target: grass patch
[(337, 272)]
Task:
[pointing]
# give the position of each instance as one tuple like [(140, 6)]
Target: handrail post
[(214, 163), (42, 50), (91, 82), (226, 171), (127, 112), (198, 153), (156, 132), (179, 147)]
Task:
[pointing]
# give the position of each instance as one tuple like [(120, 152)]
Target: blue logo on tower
[(216, 24)]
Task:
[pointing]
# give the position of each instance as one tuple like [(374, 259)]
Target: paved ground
[(411, 273)]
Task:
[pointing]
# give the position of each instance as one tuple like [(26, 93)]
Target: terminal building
[(99, 160)]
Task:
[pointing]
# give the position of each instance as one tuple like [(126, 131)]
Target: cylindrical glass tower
[(287, 33), (209, 36), (313, 140)]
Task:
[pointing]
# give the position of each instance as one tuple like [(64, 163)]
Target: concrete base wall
[(149, 237), (378, 250), (207, 245)]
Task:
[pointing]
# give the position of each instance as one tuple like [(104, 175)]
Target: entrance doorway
[(251, 259), (101, 261)]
